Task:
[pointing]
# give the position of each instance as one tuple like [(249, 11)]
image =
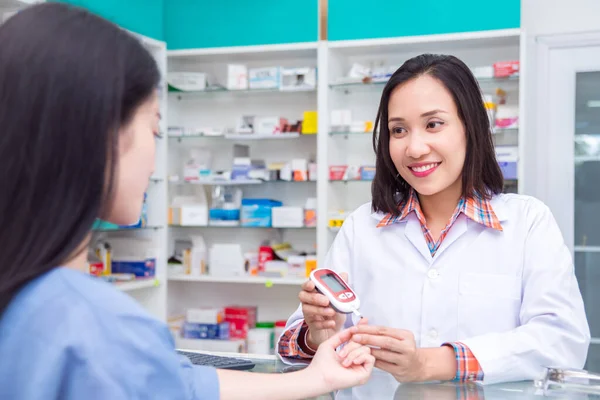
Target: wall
[(197, 24), (538, 18), (357, 19), (141, 16)]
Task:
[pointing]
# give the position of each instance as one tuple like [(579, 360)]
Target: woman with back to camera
[(79, 116), (458, 280)]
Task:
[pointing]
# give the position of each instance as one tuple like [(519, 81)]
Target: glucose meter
[(341, 297)]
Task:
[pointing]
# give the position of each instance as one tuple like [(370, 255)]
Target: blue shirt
[(69, 335)]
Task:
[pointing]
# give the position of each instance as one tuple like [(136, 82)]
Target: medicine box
[(257, 212), (189, 215), (206, 331), (187, 81), (269, 125), (263, 78), (298, 79), (505, 69), (337, 172), (205, 315), (300, 169), (367, 173), (140, 268), (241, 319), (237, 77), (288, 217), (507, 117), (310, 122), (509, 169)]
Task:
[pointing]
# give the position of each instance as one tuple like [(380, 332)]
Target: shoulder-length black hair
[(68, 81), (481, 173)]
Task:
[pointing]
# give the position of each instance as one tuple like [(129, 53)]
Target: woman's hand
[(352, 366), (396, 352), (322, 320)]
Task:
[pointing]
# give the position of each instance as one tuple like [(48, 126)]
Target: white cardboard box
[(287, 217)]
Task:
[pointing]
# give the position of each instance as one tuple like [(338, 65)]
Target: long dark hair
[(68, 81), (481, 172)]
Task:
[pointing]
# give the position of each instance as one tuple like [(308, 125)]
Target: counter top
[(422, 391)]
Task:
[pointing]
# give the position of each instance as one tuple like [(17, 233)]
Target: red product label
[(96, 269), (265, 253), (240, 319), (336, 172), (506, 68)]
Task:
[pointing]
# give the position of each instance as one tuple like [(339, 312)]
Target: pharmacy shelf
[(587, 249), (258, 181), (246, 53), (237, 227), (580, 159), (497, 131), (349, 180), (137, 284), (379, 85), (427, 43), (353, 134), (258, 280), (180, 95), (244, 136), (212, 182), (144, 228), (18, 4)]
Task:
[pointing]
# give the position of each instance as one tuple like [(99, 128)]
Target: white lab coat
[(511, 296)]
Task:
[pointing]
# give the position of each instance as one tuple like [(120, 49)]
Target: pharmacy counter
[(426, 391)]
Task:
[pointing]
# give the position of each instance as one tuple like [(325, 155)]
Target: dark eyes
[(431, 125), (434, 124)]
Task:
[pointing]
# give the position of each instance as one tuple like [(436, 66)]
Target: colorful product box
[(141, 269), (240, 319), (505, 69), (337, 172), (257, 212), (367, 173), (205, 315), (206, 331), (509, 169), (96, 268)]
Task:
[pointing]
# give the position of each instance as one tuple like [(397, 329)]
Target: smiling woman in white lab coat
[(457, 280)]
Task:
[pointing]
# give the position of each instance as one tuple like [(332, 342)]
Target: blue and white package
[(205, 331)]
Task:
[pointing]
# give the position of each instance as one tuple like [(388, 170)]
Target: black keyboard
[(218, 361)]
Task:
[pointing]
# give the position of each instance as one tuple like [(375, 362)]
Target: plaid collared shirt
[(476, 208)]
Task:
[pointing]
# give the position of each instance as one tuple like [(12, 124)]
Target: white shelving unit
[(259, 280), (10, 7), (277, 298), (151, 293)]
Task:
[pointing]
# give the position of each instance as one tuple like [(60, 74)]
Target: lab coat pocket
[(488, 303), (490, 285)]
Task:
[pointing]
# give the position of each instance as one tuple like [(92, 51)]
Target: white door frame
[(554, 121)]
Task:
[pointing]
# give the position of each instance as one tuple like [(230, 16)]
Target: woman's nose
[(417, 147)]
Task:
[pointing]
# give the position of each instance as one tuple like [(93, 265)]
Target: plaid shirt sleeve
[(467, 366), (289, 346)]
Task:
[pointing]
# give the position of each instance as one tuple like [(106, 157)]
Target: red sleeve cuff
[(288, 345), (467, 366)]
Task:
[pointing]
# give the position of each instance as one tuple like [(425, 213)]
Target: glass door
[(587, 201), (572, 127)]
